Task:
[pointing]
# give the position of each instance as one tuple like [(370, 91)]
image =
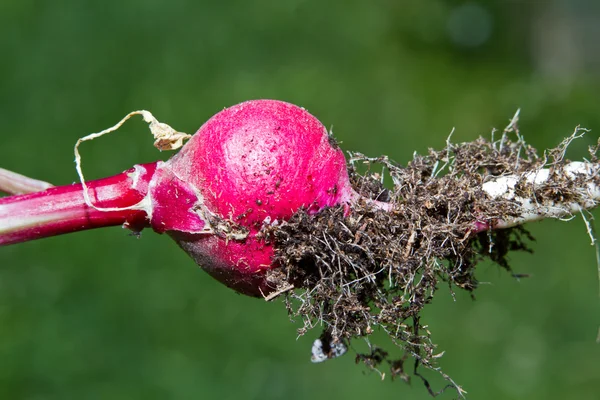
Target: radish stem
[(62, 209)]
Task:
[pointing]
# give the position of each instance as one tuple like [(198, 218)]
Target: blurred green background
[(103, 315)]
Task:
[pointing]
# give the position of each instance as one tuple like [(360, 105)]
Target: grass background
[(102, 315)]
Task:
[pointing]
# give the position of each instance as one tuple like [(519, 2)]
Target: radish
[(260, 197), (250, 165)]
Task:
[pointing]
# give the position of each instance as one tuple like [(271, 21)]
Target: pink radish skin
[(251, 164)]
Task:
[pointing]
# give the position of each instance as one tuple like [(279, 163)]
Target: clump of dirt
[(374, 269)]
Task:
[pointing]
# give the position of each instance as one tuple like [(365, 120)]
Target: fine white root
[(520, 191), (14, 184), (165, 138)]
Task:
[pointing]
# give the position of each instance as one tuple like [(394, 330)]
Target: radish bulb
[(250, 165)]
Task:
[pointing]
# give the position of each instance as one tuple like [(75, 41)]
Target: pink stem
[(62, 209)]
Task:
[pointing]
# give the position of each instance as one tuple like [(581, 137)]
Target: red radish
[(251, 164), (256, 164)]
